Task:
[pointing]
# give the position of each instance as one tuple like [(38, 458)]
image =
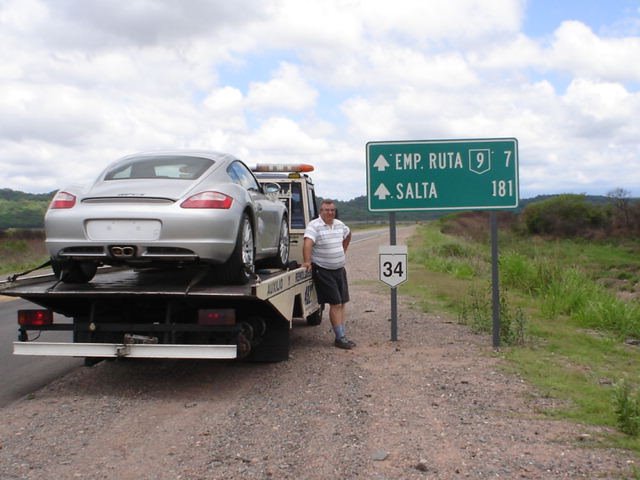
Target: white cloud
[(581, 52), (452, 20), (82, 83), (287, 90), (601, 101), (283, 137)]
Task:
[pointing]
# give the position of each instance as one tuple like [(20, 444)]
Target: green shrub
[(606, 312), (476, 311), (565, 216), (627, 409), (517, 271)]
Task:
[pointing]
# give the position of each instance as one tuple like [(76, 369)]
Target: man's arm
[(307, 248), (346, 242)]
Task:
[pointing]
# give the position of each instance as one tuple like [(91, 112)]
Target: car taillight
[(63, 200), (208, 200), (35, 318)]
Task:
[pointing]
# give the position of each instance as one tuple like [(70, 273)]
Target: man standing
[(326, 240)]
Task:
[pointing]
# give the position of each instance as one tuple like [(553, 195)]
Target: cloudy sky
[(83, 83)]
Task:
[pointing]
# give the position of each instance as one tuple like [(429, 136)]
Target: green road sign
[(479, 174)]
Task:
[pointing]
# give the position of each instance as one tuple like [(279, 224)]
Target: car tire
[(240, 267), (71, 271), (281, 260)]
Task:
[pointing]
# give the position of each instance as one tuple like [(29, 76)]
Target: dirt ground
[(436, 404)]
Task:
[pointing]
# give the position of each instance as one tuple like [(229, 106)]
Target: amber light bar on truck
[(35, 318), (282, 167)]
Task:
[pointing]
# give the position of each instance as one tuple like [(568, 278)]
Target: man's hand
[(307, 266)]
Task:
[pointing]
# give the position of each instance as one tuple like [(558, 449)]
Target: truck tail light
[(219, 316), (35, 318), (63, 200), (208, 200)]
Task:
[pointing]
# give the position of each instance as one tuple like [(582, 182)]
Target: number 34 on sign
[(393, 264)]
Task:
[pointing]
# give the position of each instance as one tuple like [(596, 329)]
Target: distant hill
[(16, 195), (23, 210), (26, 210)]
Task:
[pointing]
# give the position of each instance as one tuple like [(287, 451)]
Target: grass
[(568, 319), (21, 254)]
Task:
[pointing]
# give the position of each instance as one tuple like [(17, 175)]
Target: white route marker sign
[(392, 264)]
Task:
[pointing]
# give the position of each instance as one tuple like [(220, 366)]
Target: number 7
[(508, 154)]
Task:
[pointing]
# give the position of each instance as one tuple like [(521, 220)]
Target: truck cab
[(298, 193)]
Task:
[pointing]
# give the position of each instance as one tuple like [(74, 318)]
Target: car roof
[(213, 155)]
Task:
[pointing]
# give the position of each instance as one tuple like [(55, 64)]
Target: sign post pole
[(495, 278), (393, 271), (394, 290)]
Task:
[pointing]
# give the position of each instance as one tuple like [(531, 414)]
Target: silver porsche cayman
[(175, 207)]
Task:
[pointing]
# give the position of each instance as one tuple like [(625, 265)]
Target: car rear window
[(174, 167)]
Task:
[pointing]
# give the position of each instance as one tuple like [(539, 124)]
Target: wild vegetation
[(21, 249), (570, 310)]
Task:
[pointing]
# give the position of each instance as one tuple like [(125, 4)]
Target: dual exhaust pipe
[(126, 251)]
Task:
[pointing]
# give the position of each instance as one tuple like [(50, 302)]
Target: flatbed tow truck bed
[(166, 314)]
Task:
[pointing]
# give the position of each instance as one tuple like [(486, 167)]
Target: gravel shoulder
[(433, 405)]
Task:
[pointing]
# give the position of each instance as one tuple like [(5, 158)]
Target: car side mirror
[(271, 188)]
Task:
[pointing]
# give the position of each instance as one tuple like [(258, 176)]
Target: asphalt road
[(21, 375)]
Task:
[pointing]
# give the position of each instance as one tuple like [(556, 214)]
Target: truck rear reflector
[(218, 316), (35, 318)]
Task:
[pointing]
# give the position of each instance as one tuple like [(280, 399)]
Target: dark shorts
[(331, 285)]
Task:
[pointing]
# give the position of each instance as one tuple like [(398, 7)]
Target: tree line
[(566, 215)]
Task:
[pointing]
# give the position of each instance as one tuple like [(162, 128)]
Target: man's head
[(327, 211)]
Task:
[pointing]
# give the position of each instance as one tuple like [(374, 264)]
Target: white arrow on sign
[(381, 163), (381, 192)]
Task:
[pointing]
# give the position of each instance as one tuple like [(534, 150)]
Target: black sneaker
[(351, 342), (343, 343)]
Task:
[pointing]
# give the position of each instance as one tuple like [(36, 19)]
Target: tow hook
[(122, 351), (132, 339)]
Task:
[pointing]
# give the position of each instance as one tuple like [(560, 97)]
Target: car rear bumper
[(143, 237)]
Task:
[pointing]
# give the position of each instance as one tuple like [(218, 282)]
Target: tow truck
[(154, 313)]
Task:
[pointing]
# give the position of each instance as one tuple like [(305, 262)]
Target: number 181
[(502, 188)]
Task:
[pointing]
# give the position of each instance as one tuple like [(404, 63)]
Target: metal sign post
[(495, 278), (392, 267)]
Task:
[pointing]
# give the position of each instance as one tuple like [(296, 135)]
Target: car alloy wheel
[(283, 247), (248, 250)]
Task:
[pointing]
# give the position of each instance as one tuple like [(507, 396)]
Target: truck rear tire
[(315, 318), (274, 346)]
